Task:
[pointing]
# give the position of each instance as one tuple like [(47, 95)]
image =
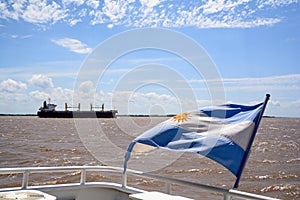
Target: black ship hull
[(77, 114)]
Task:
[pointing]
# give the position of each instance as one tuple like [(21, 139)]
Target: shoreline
[(18, 114), (130, 115)]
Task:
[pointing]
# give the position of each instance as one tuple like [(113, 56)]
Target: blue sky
[(255, 46)]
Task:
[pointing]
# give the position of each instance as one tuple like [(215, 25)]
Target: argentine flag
[(223, 133)]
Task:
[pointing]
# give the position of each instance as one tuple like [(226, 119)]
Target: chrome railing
[(227, 193)]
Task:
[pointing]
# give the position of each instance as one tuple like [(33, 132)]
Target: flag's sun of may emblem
[(181, 117)]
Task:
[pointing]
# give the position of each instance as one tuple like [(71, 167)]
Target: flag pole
[(247, 152)]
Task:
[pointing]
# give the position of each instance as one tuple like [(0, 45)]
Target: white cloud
[(62, 94), (97, 17), (150, 3), (213, 6), (148, 13), (6, 13), (296, 103), (73, 45), (128, 102), (41, 81), (110, 26), (35, 11), (76, 2), (58, 96), (86, 87), (20, 36), (38, 95), (12, 86), (286, 82), (133, 102), (274, 103), (114, 10), (273, 83), (84, 93), (73, 22), (275, 3), (41, 12), (93, 3), (76, 15), (148, 8)]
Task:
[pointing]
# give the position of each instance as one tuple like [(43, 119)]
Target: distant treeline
[(140, 115), (18, 114)]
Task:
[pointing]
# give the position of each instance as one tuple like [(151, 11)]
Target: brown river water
[(273, 168)]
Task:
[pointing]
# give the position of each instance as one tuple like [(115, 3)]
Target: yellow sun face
[(181, 117)]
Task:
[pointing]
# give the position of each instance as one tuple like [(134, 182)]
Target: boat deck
[(84, 190)]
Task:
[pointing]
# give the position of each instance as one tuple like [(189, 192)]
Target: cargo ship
[(48, 111)]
